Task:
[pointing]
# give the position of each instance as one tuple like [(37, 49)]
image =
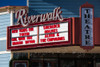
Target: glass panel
[(47, 64), (20, 64), (36, 64), (97, 64), (84, 63), (55, 64), (67, 63)]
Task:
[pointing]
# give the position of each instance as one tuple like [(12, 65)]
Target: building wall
[(97, 31), (4, 55), (4, 59), (4, 22), (70, 8)]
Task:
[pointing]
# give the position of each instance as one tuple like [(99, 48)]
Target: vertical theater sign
[(49, 29), (87, 25)]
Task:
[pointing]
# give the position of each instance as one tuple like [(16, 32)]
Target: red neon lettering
[(42, 40), (23, 30), (58, 25), (51, 31), (31, 29), (51, 26), (17, 43), (24, 34), (21, 38), (14, 31), (46, 27), (54, 30), (14, 39), (30, 41), (49, 35), (30, 37), (47, 31), (46, 35), (56, 39), (57, 34)]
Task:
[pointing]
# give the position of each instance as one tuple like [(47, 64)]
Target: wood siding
[(70, 8)]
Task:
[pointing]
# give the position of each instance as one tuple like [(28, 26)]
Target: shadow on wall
[(70, 8)]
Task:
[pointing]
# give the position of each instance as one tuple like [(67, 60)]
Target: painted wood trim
[(4, 13), (4, 52), (3, 38), (11, 18)]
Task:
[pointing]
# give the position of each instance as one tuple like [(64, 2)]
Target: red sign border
[(9, 47)]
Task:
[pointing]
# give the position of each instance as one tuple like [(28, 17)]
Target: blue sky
[(13, 3)]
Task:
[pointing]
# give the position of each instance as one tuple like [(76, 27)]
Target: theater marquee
[(49, 29), (50, 33)]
